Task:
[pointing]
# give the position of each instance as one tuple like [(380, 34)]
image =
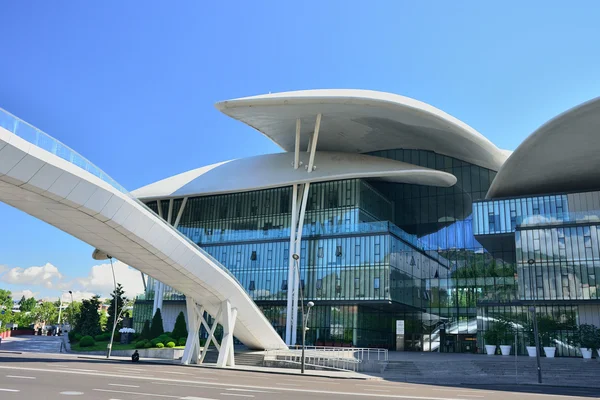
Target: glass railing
[(46, 142)]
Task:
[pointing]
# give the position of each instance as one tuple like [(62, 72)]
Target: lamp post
[(310, 305), (60, 310), (112, 336), (532, 309)]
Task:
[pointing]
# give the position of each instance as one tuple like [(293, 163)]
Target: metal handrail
[(360, 353)]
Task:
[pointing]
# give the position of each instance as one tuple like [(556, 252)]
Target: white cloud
[(100, 279), (47, 276), (50, 280), (27, 293)]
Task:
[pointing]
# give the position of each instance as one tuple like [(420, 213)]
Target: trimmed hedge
[(181, 341), (160, 345), (171, 345), (87, 341), (141, 344), (147, 345)]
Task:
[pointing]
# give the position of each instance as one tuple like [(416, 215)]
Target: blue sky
[(131, 85)]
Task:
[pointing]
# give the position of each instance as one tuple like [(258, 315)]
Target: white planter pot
[(490, 349), (586, 353), (505, 349), (531, 351), (550, 351)]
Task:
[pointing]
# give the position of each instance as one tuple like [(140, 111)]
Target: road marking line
[(138, 393), (71, 393), (221, 384), (130, 369), (376, 390), (118, 384), (236, 394), (287, 384), (199, 385), (248, 390), (471, 395), (9, 390), (20, 377), (176, 373)]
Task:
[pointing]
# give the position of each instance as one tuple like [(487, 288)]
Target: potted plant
[(587, 339), (505, 335), (490, 336), (547, 328)]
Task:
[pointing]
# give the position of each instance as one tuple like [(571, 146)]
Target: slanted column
[(228, 318), (192, 344)]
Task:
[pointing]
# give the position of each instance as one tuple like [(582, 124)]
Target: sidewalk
[(265, 370)]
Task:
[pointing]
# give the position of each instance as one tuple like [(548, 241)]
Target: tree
[(180, 330), (27, 305), (112, 313), (46, 313), (71, 313), (88, 322), (5, 306), (146, 330), (157, 325)]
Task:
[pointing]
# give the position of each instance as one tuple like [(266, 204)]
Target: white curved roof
[(560, 156), (362, 121), (275, 170)]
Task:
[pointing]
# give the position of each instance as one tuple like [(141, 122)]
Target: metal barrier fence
[(337, 358)]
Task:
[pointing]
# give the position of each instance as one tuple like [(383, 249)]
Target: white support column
[(313, 144), (228, 317), (192, 344), (298, 250), (211, 335), (156, 291), (297, 145), (159, 209), (180, 213), (289, 318), (170, 213)]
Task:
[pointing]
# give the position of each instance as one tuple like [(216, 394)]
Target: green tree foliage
[(156, 329), (46, 313), (180, 330), (119, 293), (146, 330), (27, 305), (71, 313), (5, 306), (88, 322)]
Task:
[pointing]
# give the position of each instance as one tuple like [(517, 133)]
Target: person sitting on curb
[(135, 357)]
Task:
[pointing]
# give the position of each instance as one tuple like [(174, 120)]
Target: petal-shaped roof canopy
[(276, 170), (563, 155), (362, 121)]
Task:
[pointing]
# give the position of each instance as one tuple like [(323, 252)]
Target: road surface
[(55, 376)]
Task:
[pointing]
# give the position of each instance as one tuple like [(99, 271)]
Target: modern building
[(412, 231)]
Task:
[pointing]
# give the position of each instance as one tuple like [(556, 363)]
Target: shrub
[(587, 337), (171, 345), (156, 329), (160, 345), (147, 345), (135, 336), (141, 344), (99, 338), (78, 337), (156, 341), (87, 341), (146, 330), (180, 330), (168, 334), (181, 341), (72, 337)]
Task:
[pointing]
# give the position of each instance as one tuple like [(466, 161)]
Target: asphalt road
[(53, 376)]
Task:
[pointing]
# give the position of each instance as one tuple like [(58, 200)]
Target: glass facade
[(375, 252)]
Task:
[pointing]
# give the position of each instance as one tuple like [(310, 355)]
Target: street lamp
[(304, 329), (116, 306), (112, 336), (310, 304), (60, 311), (532, 309)]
